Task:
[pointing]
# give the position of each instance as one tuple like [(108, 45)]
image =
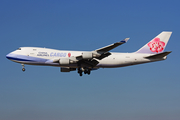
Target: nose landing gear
[(23, 69)]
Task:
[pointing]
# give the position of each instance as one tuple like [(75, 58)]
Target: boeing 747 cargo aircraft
[(85, 61)]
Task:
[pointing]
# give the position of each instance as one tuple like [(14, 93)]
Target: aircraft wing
[(101, 52), (104, 51), (112, 46), (90, 59)]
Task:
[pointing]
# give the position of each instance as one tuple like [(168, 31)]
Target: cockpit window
[(19, 48)]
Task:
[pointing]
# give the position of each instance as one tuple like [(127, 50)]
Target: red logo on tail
[(156, 45)]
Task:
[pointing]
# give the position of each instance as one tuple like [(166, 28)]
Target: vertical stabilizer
[(157, 44)]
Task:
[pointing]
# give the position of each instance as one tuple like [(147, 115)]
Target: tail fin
[(157, 44)]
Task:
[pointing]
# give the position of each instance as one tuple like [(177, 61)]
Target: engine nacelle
[(64, 61), (67, 69), (87, 55)]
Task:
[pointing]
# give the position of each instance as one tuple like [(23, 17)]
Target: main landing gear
[(23, 69), (85, 70)]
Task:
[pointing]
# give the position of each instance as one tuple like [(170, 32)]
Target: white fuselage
[(85, 61), (45, 56)]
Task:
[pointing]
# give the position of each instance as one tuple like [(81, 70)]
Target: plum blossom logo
[(156, 45)]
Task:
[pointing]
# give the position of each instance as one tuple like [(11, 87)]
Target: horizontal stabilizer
[(160, 55)]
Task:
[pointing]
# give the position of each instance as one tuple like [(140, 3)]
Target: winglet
[(125, 40)]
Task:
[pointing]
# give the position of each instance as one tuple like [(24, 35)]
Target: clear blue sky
[(143, 92)]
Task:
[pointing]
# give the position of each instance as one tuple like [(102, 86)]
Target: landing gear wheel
[(85, 72), (80, 71), (89, 72), (23, 69)]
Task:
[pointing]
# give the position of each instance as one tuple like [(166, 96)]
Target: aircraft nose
[(9, 56)]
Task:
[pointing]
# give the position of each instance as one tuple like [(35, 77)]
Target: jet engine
[(64, 61), (89, 55)]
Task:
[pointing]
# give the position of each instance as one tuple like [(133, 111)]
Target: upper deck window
[(19, 48)]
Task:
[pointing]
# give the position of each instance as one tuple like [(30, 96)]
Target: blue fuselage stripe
[(18, 59), (25, 58)]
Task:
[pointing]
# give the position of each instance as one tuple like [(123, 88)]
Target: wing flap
[(106, 54), (88, 63)]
